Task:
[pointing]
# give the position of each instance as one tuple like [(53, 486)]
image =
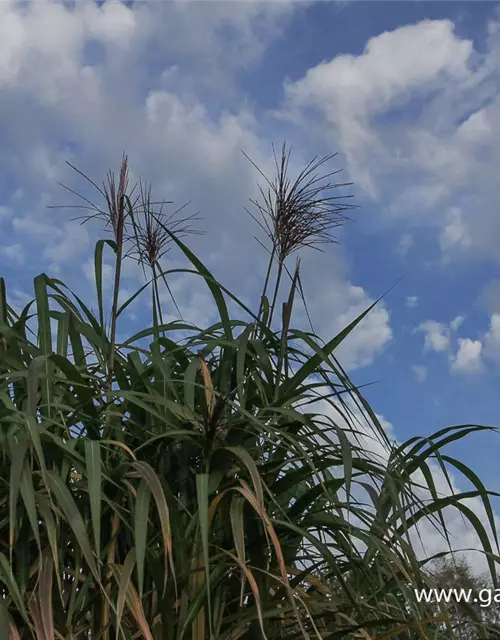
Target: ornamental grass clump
[(206, 483)]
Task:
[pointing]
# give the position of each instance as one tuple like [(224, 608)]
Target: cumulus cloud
[(465, 355), (468, 356), (370, 82), (204, 37), (492, 339), (435, 164), (369, 337), (351, 90), (107, 273), (457, 323), (454, 233), (336, 303), (411, 302), (61, 242), (436, 336)]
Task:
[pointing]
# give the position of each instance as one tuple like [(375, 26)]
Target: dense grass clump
[(206, 482)]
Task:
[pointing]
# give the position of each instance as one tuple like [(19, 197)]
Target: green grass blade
[(129, 301), (74, 518), (141, 526), (149, 475), (202, 481), (28, 494), (18, 453), (128, 568), (289, 387), (4, 620), (94, 480), (43, 315), (99, 248)]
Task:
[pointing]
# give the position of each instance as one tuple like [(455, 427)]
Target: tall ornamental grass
[(207, 483)]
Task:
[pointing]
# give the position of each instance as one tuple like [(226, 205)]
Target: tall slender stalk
[(296, 214), (116, 206), (277, 284)]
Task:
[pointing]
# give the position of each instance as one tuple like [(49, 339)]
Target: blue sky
[(407, 93)]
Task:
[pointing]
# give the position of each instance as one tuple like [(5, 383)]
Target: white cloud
[(368, 338), (193, 298), (61, 242), (411, 302), (437, 336), (435, 162), (420, 372), (492, 339), (70, 240), (113, 23), (468, 356), (214, 39), (334, 305), (30, 47), (43, 44), (457, 323), (373, 81), (455, 233), (107, 273), (350, 90)]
